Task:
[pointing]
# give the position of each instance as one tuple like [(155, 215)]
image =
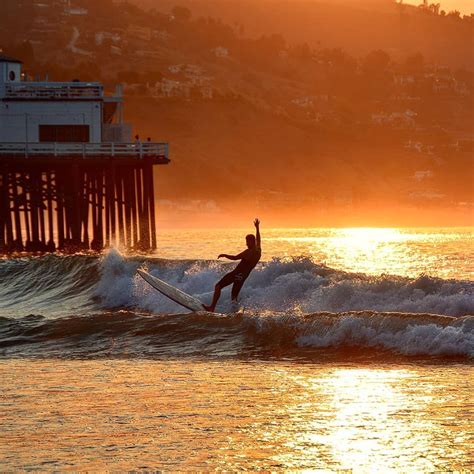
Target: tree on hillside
[(261, 52), (153, 75), (99, 9), (376, 73), (376, 62), (454, 14), (337, 57), (414, 64), (181, 14), (465, 76), (272, 44), (302, 52), (130, 77), (341, 71)]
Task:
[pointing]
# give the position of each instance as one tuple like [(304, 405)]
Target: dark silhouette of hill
[(356, 26)]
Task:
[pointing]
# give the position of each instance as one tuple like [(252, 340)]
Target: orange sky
[(464, 6)]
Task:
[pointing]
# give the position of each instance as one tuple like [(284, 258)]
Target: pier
[(78, 196), (71, 179)]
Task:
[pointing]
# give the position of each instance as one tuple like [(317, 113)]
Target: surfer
[(248, 259)]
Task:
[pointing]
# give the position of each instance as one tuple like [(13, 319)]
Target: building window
[(12, 75), (64, 133)]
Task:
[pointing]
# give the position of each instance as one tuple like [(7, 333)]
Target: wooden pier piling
[(78, 198)]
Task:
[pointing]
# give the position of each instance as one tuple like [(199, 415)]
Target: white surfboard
[(171, 292)]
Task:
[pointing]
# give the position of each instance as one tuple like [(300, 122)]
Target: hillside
[(317, 134), (356, 26), (241, 158)]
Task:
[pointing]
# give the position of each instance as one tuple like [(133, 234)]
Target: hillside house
[(404, 79), (100, 36), (395, 119), (304, 102), (160, 35), (175, 68), (419, 147), (221, 52), (422, 175), (170, 88), (207, 92), (143, 33), (148, 54), (76, 11), (193, 70)]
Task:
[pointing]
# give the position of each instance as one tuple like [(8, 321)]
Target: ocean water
[(354, 350)]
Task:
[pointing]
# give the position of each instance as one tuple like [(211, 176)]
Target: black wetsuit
[(249, 258)]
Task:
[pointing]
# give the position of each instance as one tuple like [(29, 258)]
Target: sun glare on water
[(364, 419), (370, 250), (440, 252), (373, 251)]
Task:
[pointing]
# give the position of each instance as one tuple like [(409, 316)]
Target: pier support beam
[(76, 204)]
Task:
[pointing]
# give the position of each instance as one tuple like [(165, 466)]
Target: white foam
[(283, 286), (278, 294), (414, 339)]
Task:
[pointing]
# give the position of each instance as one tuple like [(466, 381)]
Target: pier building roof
[(9, 59)]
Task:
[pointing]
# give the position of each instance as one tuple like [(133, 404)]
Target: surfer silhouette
[(248, 259)]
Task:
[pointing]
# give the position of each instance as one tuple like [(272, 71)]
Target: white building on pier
[(57, 112)]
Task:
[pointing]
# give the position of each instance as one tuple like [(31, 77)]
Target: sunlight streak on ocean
[(442, 252)]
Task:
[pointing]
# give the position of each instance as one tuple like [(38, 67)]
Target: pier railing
[(54, 90), (86, 150)]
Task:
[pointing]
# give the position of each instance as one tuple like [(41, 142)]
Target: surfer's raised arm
[(256, 223)]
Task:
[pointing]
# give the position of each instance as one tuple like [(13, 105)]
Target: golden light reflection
[(375, 251), (226, 415), (371, 420), (441, 252), (369, 428), (367, 247), (368, 236)]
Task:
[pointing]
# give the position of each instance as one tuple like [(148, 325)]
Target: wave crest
[(284, 285)]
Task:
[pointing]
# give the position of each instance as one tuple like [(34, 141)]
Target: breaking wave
[(95, 306)]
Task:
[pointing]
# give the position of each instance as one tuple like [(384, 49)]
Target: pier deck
[(158, 152)]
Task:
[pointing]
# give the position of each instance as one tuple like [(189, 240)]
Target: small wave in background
[(81, 306)]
